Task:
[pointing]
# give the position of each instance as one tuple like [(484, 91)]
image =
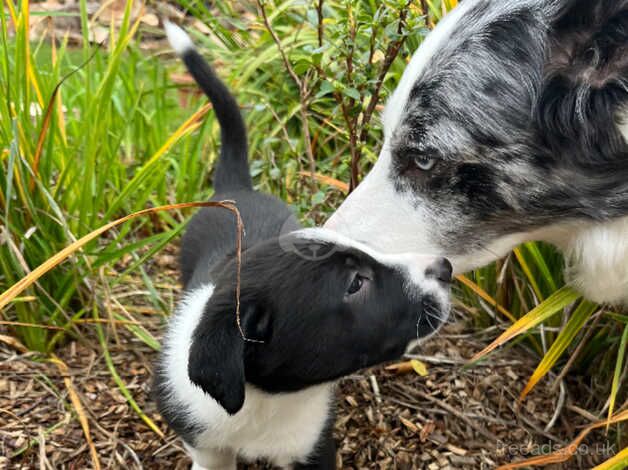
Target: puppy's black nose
[(440, 270)]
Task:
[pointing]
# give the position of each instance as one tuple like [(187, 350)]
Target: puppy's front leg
[(212, 459)]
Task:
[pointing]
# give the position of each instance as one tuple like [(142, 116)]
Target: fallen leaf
[(419, 367)]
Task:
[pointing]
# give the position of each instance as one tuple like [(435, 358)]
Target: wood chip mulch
[(456, 417)]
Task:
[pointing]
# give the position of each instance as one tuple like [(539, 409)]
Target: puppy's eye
[(356, 285), (424, 163)]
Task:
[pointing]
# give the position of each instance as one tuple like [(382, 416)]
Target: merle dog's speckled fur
[(518, 92), (520, 108)]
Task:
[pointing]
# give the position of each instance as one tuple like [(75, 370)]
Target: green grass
[(108, 151), (97, 163)]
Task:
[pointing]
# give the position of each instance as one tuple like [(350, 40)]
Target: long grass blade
[(552, 305), (579, 317), (528, 272), (78, 408), (485, 295), (618, 462), (541, 263), (46, 121), (62, 255), (188, 126), (122, 387), (621, 356), (328, 180)]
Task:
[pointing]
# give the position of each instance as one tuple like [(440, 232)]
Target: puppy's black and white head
[(510, 119), (317, 306)]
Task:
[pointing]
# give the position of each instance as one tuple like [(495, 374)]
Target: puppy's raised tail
[(232, 169)]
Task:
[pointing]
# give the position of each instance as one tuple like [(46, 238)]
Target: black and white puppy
[(316, 306), (509, 124)]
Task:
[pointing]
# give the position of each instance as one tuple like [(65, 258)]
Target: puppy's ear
[(585, 87), (216, 360)]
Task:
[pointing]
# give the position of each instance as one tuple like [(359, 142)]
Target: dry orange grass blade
[(62, 255), (568, 452), (78, 407), (29, 325), (48, 116), (14, 343), (485, 295), (328, 180), (553, 304)]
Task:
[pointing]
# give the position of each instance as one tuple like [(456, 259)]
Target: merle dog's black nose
[(441, 270)]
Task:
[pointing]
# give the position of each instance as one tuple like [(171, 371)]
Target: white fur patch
[(279, 427), (597, 261), (178, 38)]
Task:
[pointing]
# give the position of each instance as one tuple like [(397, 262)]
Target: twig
[(78, 408), (450, 409), (29, 325), (319, 12), (437, 360), (240, 230), (559, 407), (375, 387)]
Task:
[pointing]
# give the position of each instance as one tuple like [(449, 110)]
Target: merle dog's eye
[(424, 163), (356, 285)]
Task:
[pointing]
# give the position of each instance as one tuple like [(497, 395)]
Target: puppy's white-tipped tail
[(178, 38)]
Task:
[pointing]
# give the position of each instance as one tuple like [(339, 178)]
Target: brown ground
[(455, 417)]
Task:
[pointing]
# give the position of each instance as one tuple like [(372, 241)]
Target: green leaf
[(352, 93), (552, 305), (325, 88)]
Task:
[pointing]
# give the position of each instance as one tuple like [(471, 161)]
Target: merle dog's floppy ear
[(585, 87), (216, 359)]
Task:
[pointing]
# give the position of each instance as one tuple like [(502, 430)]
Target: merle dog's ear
[(585, 87), (216, 359)]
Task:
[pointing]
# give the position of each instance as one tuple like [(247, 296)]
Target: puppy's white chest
[(279, 427)]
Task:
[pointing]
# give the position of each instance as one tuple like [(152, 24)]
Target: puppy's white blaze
[(387, 220), (411, 265), (414, 263), (397, 102), (275, 426), (178, 38)]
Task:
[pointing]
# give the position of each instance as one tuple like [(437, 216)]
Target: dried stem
[(230, 205), (319, 12)]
